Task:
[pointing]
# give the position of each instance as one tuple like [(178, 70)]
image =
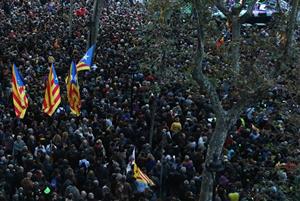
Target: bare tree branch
[(248, 99), (203, 80), (243, 3), (278, 5), (291, 28), (220, 5), (249, 12), (198, 74)]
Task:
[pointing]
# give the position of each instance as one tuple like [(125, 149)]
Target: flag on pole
[(20, 99), (86, 61), (140, 176), (52, 97), (73, 92)]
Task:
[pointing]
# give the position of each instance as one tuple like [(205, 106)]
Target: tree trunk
[(94, 22), (71, 15), (236, 36), (225, 120), (278, 6), (207, 186), (215, 147), (291, 27)]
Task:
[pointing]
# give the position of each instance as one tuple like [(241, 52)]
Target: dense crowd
[(84, 158)]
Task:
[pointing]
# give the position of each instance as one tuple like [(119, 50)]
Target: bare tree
[(236, 20), (251, 79), (225, 119)]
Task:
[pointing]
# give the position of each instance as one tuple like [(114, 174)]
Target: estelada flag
[(20, 99), (140, 176), (86, 61), (52, 97), (73, 92)]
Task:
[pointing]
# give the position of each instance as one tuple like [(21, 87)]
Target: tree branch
[(203, 80), (248, 99), (220, 5), (198, 74), (278, 6), (249, 12), (243, 3), (291, 28)]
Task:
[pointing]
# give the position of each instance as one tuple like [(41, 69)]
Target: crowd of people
[(84, 158)]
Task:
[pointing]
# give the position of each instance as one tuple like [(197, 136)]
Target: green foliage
[(169, 37), (171, 40), (163, 10)]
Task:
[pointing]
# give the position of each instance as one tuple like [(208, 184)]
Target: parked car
[(262, 12)]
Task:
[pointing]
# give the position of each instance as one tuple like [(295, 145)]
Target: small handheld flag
[(52, 97), (20, 99), (86, 61), (73, 92), (140, 176)]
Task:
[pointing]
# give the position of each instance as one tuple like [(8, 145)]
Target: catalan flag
[(86, 61), (52, 97), (73, 92), (20, 99), (140, 176)]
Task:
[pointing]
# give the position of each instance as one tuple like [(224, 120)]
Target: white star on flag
[(73, 78), (85, 57)]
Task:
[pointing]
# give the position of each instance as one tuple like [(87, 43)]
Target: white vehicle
[(262, 12)]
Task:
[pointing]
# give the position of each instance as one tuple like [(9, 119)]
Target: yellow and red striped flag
[(52, 97), (73, 92), (140, 176), (86, 61), (20, 99)]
